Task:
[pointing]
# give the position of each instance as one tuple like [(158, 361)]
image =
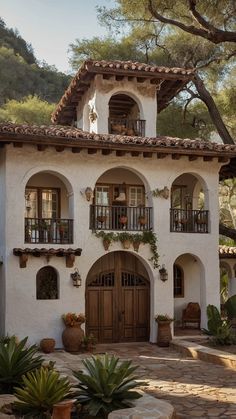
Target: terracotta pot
[(136, 246), (164, 333), (142, 220), (47, 345), (72, 338), (106, 244), (101, 218), (126, 244), (62, 410), (123, 219)]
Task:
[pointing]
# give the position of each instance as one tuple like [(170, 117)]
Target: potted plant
[(101, 218), (47, 345), (123, 219), (89, 342), (107, 238), (136, 240), (164, 331), (72, 335), (125, 239)]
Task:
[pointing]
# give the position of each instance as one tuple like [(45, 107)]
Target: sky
[(51, 25)]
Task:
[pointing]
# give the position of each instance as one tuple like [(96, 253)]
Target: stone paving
[(195, 388)]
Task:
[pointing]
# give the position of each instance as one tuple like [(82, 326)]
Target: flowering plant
[(73, 319), (163, 318)]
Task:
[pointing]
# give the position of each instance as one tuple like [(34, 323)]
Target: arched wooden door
[(117, 299)]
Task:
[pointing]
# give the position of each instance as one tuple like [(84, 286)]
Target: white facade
[(21, 313)]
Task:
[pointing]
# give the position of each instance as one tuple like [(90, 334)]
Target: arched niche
[(47, 287), (125, 115)]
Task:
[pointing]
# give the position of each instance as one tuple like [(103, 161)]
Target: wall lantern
[(163, 273), (88, 193), (76, 278)]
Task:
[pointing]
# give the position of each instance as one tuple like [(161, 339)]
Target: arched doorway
[(124, 116), (118, 299)]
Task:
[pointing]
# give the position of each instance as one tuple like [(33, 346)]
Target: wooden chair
[(191, 314)]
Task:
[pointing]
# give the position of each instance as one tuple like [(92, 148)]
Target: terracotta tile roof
[(175, 79), (70, 136), (227, 251)]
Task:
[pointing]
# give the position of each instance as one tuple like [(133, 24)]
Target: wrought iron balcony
[(188, 221), (49, 230), (120, 218), (123, 126)]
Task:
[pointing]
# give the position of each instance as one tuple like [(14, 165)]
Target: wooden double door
[(118, 299)]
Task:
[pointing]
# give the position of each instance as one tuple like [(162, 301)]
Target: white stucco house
[(101, 166)]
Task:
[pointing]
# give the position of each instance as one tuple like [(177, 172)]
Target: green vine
[(146, 237)]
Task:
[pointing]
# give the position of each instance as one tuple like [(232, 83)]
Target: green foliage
[(30, 110), (163, 318), (107, 384), (15, 360), (89, 341), (219, 329), (146, 237), (230, 307), (6, 339), (41, 389)]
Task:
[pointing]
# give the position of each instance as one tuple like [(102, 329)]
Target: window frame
[(40, 190), (180, 295)]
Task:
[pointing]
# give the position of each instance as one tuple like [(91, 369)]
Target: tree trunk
[(228, 232), (213, 111)]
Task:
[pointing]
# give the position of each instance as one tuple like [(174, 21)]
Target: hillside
[(20, 73)]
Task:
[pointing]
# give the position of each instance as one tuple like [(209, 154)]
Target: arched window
[(178, 281), (47, 284)]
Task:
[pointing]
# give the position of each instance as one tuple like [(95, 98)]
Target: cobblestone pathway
[(195, 388)]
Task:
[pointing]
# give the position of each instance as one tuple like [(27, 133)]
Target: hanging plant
[(146, 237), (163, 193)]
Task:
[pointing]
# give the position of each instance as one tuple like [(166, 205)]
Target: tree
[(213, 22), (30, 110)]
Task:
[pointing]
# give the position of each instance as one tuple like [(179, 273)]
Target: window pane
[(49, 203), (102, 195)]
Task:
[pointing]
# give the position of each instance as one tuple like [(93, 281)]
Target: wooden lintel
[(76, 149), (192, 157), (18, 145), (161, 155), (41, 147), (207, 158), (223, 159), (70, 259), (23, 260), (120, 153), (135, 153), (92, 150), (147, 154), (175, 156), (106, 152), (59, 148)]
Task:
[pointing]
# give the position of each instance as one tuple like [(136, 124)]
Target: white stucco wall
[(37, 319)]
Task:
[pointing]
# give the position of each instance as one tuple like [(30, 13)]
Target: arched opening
[(120, 202), (189, 213), (48, 210), (47, 284), (124, 116), (118, 299), (188, 287)]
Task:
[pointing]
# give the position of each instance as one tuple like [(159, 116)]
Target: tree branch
[(212, 33)]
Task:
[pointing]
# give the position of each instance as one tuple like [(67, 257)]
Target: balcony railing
[(124, 126), (188, 221), (120, 218), (49, 230)]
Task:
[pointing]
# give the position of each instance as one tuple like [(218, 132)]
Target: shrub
[(15, 360), (219, 329), (41, 389), (230, 307), (107, 385)]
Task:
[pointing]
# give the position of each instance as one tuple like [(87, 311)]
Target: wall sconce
[(163, 273), (88, 192), (76, 278)]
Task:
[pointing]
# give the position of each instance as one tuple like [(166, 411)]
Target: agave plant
[(15, 360), (41, 389), (107, 385)]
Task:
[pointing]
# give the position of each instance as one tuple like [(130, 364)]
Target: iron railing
[(188, 221), (125, 126), (49, 230), (120, 218)]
